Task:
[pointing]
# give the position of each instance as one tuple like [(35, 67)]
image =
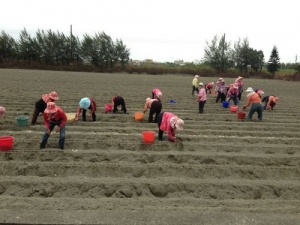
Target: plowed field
[(223, 171)]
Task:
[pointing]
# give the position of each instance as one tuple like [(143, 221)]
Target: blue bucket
[(225, 104)]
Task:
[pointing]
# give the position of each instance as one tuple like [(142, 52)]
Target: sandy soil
[(223, 171)]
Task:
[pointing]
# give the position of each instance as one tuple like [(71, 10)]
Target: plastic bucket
[(108, 107), (241, 115), (225, 104), (22, 121), (6, 143), (233, 109), (148, 137), (213, 93), (138, 116)]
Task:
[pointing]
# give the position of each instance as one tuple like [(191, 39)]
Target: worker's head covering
[(249, 89), (53, 95), (196, 76), (275, 100), (85, 103), (159, 95), (51, 108), (176, 123)]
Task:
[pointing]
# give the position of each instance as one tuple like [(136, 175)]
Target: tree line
[(55, 48)]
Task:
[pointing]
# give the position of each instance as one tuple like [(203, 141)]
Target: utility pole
[(71, 46)]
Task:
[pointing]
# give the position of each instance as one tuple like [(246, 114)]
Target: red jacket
[(59, 116)]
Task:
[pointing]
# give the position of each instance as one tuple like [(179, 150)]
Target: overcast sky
[(164, 30)]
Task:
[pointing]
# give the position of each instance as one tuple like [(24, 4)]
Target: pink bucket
[(108, 107)]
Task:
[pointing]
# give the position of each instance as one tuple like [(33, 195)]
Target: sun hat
[(53, 95), (201, 84), (197, 76), (85, 103), (220, 79), (179, 124), (249, 89), (159, 95), (260, 92), (51, 108), (212, 83), (275, 100)]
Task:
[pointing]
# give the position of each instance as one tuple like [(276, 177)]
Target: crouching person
[(170, 123), (119, 101), (54, 116), (85, 104), (155, 108)]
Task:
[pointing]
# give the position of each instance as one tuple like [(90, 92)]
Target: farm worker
[(54, 116), (221, 90), (156, 94), (168, 122), (270, 102), (41, 105), (155, 108), (253, 99), (233, 93), (260, 93), (85, 104), (209, 87), (201, 97), (2, 111), (239, 82), (116, 101), (195, 84)]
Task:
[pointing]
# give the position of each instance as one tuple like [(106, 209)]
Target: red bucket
[(148, 137), (6, 143), (241, 115), (233, 109), (108, 107)]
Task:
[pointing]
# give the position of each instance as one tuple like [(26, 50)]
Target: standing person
[(54, 116), (239, 82), (209, 87), (170, 123), (195, 84), (270, 102), (233, 93), (2, 111), (156, 94), (155, 108), (116, 101), (41, 105), (221, 91), (254, 100), (85, 104), (201, 98)]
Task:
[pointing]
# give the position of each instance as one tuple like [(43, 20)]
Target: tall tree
[(274, 61), (217, 54)]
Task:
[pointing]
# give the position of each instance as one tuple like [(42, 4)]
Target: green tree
[(217, 54), (7, 47), (274, 62), (122, 53)]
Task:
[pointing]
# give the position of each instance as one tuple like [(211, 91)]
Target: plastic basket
[(233, 109), (6, 143), (241, 115), (22, 121), (108, 107), (225, 104), (138, 116), (148, 137)]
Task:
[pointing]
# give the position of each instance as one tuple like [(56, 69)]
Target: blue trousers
[(62, 133), (255, 107)]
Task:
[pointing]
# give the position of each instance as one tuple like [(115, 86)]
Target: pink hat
[(51, 108), (159, 95), (53, 95), (179, 124), (275, 100)]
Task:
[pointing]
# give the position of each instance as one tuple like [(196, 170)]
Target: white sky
[(164, 30)]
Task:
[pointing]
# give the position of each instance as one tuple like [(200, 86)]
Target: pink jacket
[(59, 116), (166, 125), (202, 95)]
